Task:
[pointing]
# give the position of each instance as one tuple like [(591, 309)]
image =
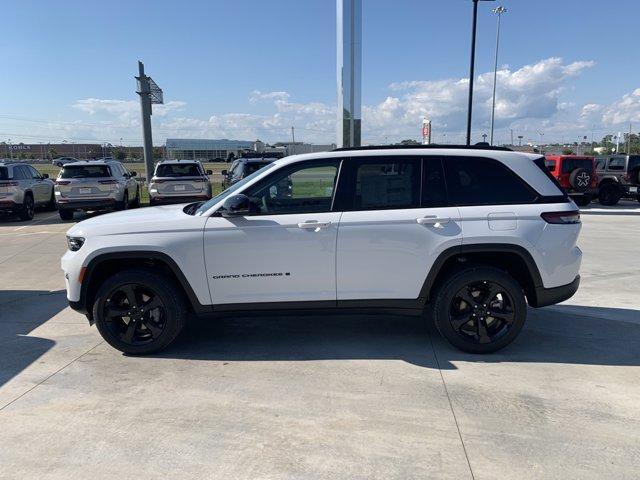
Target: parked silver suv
[(95, 185), (22, 188), (179, 181)]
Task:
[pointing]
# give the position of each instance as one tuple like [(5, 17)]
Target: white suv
[(466, 236)]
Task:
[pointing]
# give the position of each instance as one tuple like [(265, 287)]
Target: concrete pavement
[(321, 397)]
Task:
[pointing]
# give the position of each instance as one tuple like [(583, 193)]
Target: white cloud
[(257, 95), (123, 108)]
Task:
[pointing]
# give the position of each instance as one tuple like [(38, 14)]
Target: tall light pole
[(472, 66), (498, 11)]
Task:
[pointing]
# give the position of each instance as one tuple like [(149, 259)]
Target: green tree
[(158, 153), (567, 151), (119, 154)]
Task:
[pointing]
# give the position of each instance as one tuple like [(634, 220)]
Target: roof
[(176, 162), (84, 163), (430, 146)]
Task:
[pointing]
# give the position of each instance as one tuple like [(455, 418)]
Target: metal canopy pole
[(149, 93)]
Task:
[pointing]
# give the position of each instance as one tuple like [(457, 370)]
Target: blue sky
[(246, 68)]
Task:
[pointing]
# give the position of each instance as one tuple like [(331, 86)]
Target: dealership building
[(205, 150)]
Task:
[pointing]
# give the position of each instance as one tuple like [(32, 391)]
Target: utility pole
[(149, 93), (293, 139), (629, 141), (498, 11), (512, 137)]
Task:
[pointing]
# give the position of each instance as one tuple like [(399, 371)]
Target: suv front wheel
[(480, 309), (139, 311)]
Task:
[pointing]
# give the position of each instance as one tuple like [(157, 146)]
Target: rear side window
[(616, 164), (387, 184), (484, 181), (85, 171), (178, 170), (4, 173), (571, 164), (19, 173), (434, 189), (253, 167), (550, 164)]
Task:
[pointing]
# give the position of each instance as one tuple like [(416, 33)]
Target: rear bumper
[(551, 296), (161, 199), (72, 204), (7, 204)]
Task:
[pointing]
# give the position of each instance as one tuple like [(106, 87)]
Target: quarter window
[(484, 181)]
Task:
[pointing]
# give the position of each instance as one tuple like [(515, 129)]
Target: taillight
[(62, 182), (155, 180), (8, 184), (626, 177), (107, 182), (562, 218)]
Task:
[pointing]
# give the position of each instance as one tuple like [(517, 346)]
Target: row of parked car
[(106, 184), (608, 178)]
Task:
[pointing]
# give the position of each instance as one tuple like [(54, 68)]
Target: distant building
[(205, 150)]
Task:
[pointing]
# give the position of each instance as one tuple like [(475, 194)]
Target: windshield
[(178, 170), (4, 173), (85, 171), (233, 188)]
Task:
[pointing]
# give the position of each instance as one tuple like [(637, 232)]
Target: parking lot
[(322, 397)]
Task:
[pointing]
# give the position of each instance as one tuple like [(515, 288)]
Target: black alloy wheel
[(479, 309), (482, 312), (139, 311), (134, 314)]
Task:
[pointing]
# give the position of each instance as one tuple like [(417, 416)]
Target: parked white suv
[(467, 236)]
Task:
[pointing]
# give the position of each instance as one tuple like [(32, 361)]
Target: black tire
[(479, 332), (609, 195), (27, 210), (136, 202), (51, 205), (125, 202), (65, 214), (154, 329), (582, 200)]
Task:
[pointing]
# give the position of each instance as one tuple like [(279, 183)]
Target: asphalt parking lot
[(357, 397)]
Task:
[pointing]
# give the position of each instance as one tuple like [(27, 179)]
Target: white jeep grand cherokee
[(467, 236)]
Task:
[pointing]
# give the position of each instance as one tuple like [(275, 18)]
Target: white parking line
[(35, 222)]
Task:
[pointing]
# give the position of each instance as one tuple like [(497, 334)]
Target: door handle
[(438, 222), (316, 226)]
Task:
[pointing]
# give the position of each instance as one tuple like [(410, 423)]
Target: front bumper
[(551, 296)]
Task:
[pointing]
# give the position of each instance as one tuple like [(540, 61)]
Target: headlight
[(75, 243)]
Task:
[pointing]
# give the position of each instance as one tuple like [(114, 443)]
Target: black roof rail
[(430, 146)]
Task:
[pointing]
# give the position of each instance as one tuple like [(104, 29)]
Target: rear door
[(41, 189), (396, 222)]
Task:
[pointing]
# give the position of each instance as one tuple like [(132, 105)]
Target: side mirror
[(210, 172), (236, 206), (223, 172), (45, 175), (133, 174)]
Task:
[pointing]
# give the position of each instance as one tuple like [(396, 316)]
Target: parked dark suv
[(577, 175), (241, 168), (619, 177)]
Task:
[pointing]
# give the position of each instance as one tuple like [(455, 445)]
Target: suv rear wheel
[(65, 214), (26, 211), (609, 194), (136, 202), (479, 309), (125, 201), (582, 200), (139, 311)]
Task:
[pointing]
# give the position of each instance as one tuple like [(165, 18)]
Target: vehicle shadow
[(571, 335), (21, 312)]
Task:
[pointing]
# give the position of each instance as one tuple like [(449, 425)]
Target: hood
[(139, 220)]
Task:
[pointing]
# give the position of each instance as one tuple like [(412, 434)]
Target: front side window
[(387, 184), (550, 164), (484, 181), (600, 165), (296, 189), (34, 173)]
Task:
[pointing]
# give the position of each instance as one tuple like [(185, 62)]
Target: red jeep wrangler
[(577, 175)]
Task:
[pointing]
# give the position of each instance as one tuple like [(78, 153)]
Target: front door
[(396, 224), (285, 250)]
